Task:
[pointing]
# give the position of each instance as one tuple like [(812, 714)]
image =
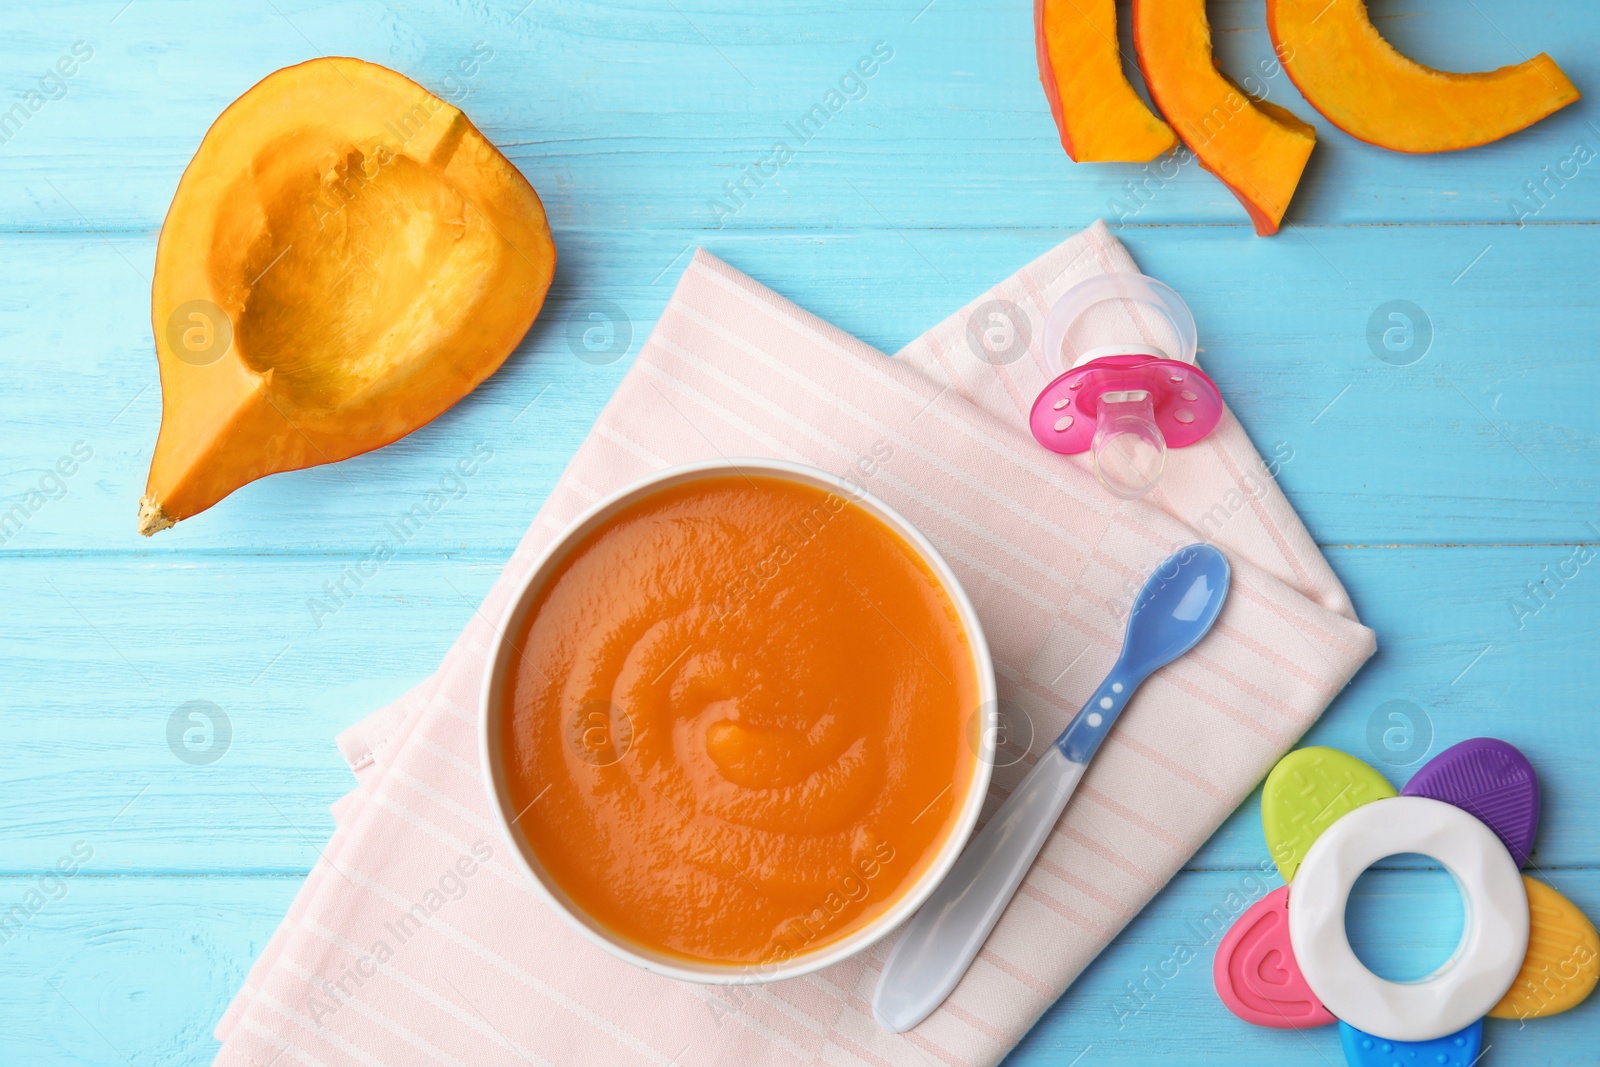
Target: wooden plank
[(113, 647), (94, 977), (638, 121), (130, 971), (102, 746), (1489, 437)]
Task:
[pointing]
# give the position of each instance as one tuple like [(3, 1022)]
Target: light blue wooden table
[(1442, 480)]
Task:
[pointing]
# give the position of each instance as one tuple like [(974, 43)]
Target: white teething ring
[(1492, 946)]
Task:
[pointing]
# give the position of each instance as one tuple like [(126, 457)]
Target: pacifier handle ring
[(1139, 288)]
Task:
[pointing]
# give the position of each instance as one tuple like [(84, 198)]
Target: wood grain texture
[(1441, 487)]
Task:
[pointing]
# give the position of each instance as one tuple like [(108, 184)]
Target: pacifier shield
[(1187, 403)]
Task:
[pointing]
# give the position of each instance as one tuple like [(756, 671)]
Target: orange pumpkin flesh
[(1347, 71), (1100, 116), (345, 258), (1259, 150)]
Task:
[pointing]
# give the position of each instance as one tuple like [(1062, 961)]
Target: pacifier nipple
[(1124, 404), (1128, 449)]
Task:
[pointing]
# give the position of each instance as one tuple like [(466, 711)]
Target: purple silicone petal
[(1490, 779)]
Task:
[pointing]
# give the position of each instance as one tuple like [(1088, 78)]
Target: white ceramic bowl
[(493, 701)]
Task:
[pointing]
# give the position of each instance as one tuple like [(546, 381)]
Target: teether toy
[(1127, 403), (1526, 951)]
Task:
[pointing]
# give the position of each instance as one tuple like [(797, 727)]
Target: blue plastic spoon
[(1173, 611)]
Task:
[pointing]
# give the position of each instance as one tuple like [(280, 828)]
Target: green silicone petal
[(1305, 793)]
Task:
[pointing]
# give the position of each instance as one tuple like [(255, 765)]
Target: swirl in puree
[(738, 721)]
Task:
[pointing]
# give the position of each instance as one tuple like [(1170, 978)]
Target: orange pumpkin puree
[(738, 727)]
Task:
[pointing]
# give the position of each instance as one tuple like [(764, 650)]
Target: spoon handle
[(1173, 611), (1081, 739), (942, 939)]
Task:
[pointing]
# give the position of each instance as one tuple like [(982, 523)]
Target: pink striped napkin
[(414, 939)]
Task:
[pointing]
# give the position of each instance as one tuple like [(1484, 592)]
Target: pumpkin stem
[(152, 519)]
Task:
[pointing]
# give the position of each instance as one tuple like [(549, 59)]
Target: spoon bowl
[(1176, 607)]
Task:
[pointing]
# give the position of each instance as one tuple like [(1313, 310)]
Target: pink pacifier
[(1125, 404)]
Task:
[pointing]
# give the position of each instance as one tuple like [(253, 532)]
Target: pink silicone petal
[(1490, 779), (1256, 973)]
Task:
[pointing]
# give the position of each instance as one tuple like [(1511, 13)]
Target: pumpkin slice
[(1100, 116), (1347, 71), (346, 257), (1258, 149)]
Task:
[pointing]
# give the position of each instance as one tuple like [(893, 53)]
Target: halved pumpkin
[(1100, 116), (346, 257), (1347, 71), (1258, 149)]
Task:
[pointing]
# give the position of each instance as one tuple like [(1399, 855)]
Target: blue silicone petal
[(1459, 1049)]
